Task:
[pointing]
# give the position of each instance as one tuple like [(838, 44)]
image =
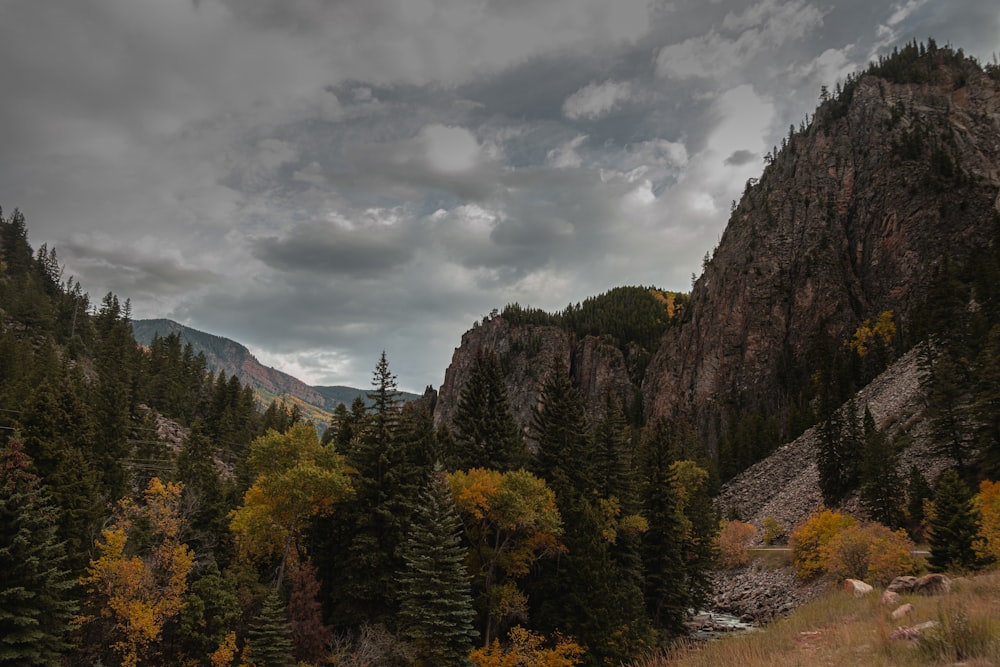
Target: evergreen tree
[(986, 406), (881, 485), (210, 610), (269, 635), (392, 455), (839, 454), (953, 528), (917, 492), (946, 400), (565, 456), (486, 434), (436, 612), (665, 587), (35, 601)]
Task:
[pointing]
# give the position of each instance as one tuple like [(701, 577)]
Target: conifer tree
[(953, 527), (565, 456), (35, 601), (917, 492), (486, 434), (436, 612), (839, 454), (881, 485), (269, 636), (665, 587)]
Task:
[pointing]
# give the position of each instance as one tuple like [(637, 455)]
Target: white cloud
[(566, 155), (596, 99)]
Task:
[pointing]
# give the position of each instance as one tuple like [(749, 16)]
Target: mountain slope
[(223, 354), (893, 178)]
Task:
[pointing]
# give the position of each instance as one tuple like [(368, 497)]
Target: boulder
[(932, 584), (859, 588), (902, 610), (890, 598), (902, 585), (912, 633)]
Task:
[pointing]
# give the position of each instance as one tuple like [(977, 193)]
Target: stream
[(709, 625)]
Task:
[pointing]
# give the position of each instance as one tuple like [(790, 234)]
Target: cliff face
[(850, 219), (527, 353)]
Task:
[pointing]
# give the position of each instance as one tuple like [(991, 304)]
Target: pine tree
[(436, 612), (953, 527), (269, 635), (881, 485), (565, 456), (35, 602), (486, 434), (665, 587), (917, 492), (839, 454)]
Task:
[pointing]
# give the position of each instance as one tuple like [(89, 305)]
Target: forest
[(153, 515), (256, 540)]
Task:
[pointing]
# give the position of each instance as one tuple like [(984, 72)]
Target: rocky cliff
[(850, 218), (527, 353)]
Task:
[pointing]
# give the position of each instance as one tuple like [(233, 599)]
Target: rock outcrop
[(850, 219), (527, 353)]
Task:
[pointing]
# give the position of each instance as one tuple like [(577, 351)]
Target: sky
[(322, 180)]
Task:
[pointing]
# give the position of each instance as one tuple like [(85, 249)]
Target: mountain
[(862, 213), (223, 354)]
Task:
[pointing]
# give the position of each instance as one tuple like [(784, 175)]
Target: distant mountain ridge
[(235, 359)]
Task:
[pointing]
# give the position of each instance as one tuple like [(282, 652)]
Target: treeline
[(251, 540), (629, 315)]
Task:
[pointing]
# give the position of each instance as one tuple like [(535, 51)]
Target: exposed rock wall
[(850, 219), (527, 353)]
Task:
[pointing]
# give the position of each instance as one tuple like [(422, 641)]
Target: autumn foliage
[(987, 504), (139, 593), (734, 543), (528, 649), (809, 541)]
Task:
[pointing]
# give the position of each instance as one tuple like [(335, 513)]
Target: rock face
[(527, 353), (849, 220)]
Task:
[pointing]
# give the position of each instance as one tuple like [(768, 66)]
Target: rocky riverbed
[(758, 594)]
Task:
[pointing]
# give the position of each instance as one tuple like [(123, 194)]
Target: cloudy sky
[(324, 179)]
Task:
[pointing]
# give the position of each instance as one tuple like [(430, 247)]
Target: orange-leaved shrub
[(528, 649), (810, 540), (987, 504), (873, 553), (734, 543)]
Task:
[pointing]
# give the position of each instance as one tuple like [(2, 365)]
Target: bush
[(873, 553), (773, 531), (810, 540), (734, 543)]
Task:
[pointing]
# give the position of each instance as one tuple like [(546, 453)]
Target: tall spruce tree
[(35, 600), (564, 450), (486, 434), (881, 484), (839, 454), (270, 636), (666, 589), (436, 613), (953, 527)]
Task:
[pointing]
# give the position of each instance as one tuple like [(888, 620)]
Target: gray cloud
[(322, 179)]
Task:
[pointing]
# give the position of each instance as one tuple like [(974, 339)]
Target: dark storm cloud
[(741, 157), (322, 179), (324, 249)]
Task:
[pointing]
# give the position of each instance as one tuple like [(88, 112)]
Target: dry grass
[(839, 629)]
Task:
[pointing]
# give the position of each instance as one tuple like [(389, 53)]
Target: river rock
[(858, 587), (903, 610), (932, 584), (902, 585), (890, 598)]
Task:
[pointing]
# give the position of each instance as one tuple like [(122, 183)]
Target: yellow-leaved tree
[(297, 479), (139, 592), (987, 504), (511, 520)]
